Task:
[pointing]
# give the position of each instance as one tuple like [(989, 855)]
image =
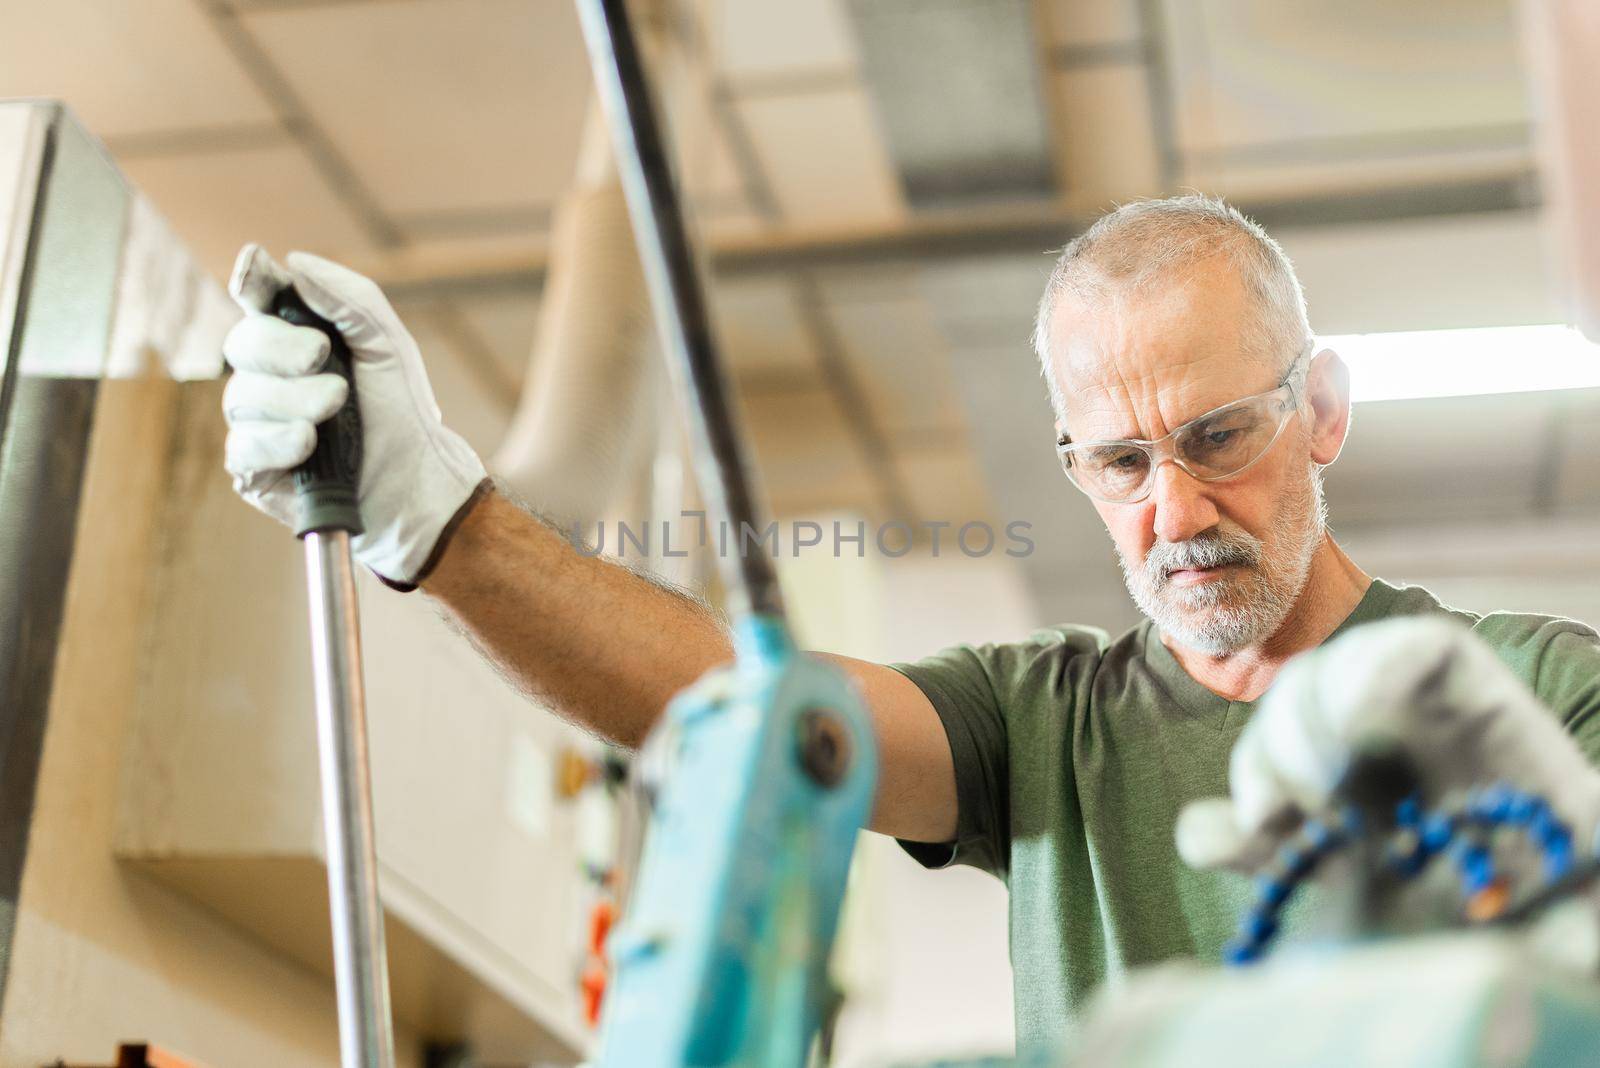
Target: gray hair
[(1140, 242)]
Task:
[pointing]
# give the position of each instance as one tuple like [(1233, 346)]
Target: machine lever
[(326, 517)]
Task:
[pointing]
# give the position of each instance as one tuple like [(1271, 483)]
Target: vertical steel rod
[(677, 293), (361, 974)]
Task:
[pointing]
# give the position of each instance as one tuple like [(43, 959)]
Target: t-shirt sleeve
[(1559, 659), (959, 685), (1567, 678)]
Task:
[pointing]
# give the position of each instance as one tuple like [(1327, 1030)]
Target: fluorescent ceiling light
[(1463, 363)]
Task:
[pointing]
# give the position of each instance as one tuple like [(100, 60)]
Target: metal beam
[(1099, 54), (1030, 230), (1400, 145), (187, 140)]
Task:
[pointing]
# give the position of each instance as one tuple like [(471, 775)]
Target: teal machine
[(769, 772)]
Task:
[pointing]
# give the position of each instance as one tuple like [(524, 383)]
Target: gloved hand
[(417, 477), (1424, 685)]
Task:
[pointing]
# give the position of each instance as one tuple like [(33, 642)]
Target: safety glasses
[(1222, 443)]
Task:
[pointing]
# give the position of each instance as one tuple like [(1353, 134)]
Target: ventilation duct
[(958, 93)]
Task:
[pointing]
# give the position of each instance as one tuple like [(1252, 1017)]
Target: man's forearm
[(605, 647)]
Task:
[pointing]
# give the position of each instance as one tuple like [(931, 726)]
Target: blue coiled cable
[(1294, 862), (1461, 831)]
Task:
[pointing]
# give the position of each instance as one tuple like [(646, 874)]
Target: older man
[(1194, 410)]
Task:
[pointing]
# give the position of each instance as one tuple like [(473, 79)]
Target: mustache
[(1211, 549)]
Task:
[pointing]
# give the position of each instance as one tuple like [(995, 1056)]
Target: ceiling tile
[(852, 493), (1578, 480), (706, 163), (127, 69), (758, 321), (1252, 73), (868, 283), (471, 406), (449, 256), (757, 38), (806, 456), (1089, 22), (468, 223), (718, 181), (506, 325), (947, 487), (1410, 461), (733, 224), (1424, 274), (1326, 174), (218, 201), (1106, 145), (441, 104), (896, 353), (988, 301), (774, 382), (824, 157)]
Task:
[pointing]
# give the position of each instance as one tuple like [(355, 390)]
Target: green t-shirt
[(1074, 753)]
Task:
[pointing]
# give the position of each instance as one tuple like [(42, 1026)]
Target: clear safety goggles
[(1219, 444)]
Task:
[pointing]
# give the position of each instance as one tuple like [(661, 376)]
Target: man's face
[(1217, 565)]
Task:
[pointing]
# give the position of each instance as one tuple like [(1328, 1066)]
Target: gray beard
[(1225, 616)]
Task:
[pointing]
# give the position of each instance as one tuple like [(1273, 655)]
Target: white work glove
[(417, 477), (1424, 685)]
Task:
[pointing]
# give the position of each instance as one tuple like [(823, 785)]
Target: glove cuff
[(479, 492), (413, 503)]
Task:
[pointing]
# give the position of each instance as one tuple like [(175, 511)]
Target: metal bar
[(183, 140), (1020, 232), (1099, 54), (758, 192), (1158, 78), (678, 295), (360, 969), (1372, 147), (790, 83)]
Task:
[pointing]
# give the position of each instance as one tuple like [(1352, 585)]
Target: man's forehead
[(1134, 402), (1138, 371)]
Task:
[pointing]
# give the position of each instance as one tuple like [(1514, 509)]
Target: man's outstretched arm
[(603, 646), (608, 648)]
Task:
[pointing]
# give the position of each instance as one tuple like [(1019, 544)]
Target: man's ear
[(1327, 396)]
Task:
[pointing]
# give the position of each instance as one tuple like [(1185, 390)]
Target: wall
[(103, 955)]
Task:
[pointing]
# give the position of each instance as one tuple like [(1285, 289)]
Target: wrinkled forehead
[(1136, 365)]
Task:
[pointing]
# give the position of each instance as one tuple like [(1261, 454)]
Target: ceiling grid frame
[(385, 231), (1158, 75), (839, 377), (325, 156), (186, 140)]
